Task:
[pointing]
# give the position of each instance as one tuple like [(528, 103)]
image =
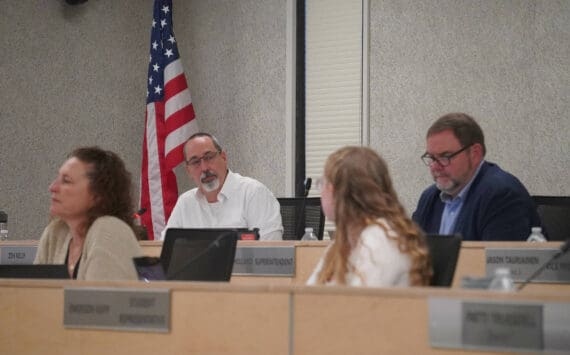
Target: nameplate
[(264, 261), (12, 254), (117, 309), (524, 262), (499, 325)]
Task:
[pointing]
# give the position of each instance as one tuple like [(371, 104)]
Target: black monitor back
[(35, 271), (199, 254), (444, 252)]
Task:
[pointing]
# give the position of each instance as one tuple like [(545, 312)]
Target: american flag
[(169, 121)]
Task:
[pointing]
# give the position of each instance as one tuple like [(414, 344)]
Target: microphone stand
[(301, 216)]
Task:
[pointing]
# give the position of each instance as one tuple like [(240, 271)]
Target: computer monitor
[(34, 271), (199, 254)]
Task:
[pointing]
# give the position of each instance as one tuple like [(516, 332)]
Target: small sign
[(264, 261), (499, 325), (117, 309), (524, 262), (12, 254)]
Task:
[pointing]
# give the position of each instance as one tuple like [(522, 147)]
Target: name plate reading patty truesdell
[(264, 261), (117, 309), (524, 262), (499, 325), (13, 254)]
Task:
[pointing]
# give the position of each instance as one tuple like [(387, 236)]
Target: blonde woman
[(376, 244)]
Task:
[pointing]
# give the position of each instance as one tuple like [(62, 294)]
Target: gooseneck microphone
[(301, 211), (308, 182), (214, 244), (563, 250)]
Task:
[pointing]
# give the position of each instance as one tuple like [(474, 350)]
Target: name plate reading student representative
[(499, 325), (12, 254), (264, 261), (524, 262), (117, 309)]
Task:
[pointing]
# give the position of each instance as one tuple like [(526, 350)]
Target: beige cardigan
[(108, 250)]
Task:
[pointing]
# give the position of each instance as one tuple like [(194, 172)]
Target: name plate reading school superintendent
[(264, 261)]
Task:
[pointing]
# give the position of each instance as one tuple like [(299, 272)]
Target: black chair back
[(554, 212), (300, 212), (444, 252)]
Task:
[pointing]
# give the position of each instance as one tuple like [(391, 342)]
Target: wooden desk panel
[(206, 319)]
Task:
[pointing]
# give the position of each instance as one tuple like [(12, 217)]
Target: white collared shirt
[(242, 203)]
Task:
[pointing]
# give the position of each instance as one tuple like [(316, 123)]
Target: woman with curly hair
[(376, 243), (92, 226)]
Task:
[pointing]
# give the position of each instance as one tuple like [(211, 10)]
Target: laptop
[(205, 254), (34, 271)]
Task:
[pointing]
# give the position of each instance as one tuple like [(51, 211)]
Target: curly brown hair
[(363, 193), (110, 182)]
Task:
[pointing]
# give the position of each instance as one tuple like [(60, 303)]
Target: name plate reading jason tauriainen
[(12, 254), (524, 262), (117, 309), (504, 325), (264, 261)]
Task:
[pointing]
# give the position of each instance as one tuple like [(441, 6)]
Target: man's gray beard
[(212, 185)]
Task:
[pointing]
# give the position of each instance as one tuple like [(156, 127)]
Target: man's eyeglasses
[(207, 157), (443, 160)]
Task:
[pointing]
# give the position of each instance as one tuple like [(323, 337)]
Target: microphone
[(214, 244), (139, 213), (563, 250), (308, 182), (301, 211)]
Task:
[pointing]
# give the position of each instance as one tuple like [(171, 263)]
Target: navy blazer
[(496, 207)]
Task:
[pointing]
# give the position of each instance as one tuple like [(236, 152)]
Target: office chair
[(554, 212), (444, 252), (300, 212)]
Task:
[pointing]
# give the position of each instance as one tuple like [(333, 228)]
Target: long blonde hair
[(363, 193)]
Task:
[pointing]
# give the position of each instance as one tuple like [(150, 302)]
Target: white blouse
[(376, 261)]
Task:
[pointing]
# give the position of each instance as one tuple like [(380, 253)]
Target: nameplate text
[(264, 261), (503, 325), (12, 254), (117, 309), (524, 262)]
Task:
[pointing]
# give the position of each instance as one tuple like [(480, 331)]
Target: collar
[(447, 198)]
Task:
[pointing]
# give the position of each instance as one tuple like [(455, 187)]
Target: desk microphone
[(214, 244), (563, 250), (308, 182), (301, 215)]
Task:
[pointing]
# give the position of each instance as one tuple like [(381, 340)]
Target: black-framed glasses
[(443, 160), (207, 157)]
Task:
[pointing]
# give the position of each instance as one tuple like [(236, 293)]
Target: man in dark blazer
[(471, 196)]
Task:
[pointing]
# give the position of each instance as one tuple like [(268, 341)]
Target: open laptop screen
[(199, 254), (34, 271)]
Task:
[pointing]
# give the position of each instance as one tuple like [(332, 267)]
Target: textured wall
[(76, 76), (507, 63)]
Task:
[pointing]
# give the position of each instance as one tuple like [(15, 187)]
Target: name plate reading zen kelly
[(499, 325), (264, 261), (12, 254), (524, 262), (117, 309)]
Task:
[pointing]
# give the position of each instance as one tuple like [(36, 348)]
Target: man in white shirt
[(223, 199)]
